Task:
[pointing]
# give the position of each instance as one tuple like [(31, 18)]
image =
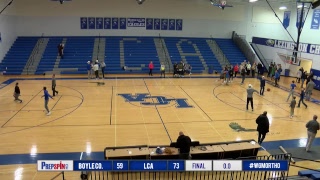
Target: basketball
[(268, 89)]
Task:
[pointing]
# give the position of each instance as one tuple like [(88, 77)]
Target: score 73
[(176, 166)]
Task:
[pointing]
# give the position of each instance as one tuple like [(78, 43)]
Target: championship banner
[(136, 22), (179, 24), (149, 25), (84, 23), (99, 23), (123, 24), (303, 47), (299, 11), (172, 24), (92, 23), (107, 23), (315, 19), (286, 19), (156, 24), (115, 23), (164, 24)]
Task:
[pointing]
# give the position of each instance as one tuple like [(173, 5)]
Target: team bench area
[(223, 150)]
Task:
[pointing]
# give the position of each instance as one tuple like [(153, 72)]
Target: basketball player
[(262, 85), (16, 93), (309, 88), (243, 74), (292, 106), (54, 85), (250, 92), (46, 100), (302, 94), (291, 92), (276, 78)]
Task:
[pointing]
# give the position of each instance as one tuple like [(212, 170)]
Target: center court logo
[(237, 127), (146, 100), (45, 165)]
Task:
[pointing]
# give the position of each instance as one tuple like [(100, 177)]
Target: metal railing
[(98, 47), (168, 64), (34, 53), (219, 52), (188, 175), (58, 176), (311, 163), (263, 60), (244, 47)]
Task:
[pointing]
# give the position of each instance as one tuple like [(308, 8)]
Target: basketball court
[(87, 116)]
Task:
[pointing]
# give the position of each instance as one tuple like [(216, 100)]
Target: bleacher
[(137, 54), (18, 55), (133, 52), (232, 52), (187, 47), (50, 55), (77, 51)]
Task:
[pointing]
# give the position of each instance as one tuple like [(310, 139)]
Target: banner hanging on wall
[(115, 23), (303, 47), (149, 25), (136, 22), (99, 23), (286, 19), (172, 24), (315, 19), (84, 23), (179, 24), (164, 24), (107, 23), (299, 11), (156, 24), (124, 23), (92, 23)]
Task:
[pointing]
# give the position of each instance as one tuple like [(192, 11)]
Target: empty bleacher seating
[(77, 51), (232, 52), (189, 48), (18, 55), (133, 52), (50, 55)]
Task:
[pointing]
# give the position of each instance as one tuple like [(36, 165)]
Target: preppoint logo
[(146, 100), (60, 165), (235, 126), (270, 42)]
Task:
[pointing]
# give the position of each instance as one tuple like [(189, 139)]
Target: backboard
[(291, 57)]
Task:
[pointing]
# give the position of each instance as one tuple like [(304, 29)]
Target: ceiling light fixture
[(282, 7), (140, 1), (253, 1)]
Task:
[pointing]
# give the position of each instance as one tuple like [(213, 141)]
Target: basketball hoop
[(223, 3)]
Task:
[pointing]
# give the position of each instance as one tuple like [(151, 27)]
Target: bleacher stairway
[(35, 57), (218, 52)]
